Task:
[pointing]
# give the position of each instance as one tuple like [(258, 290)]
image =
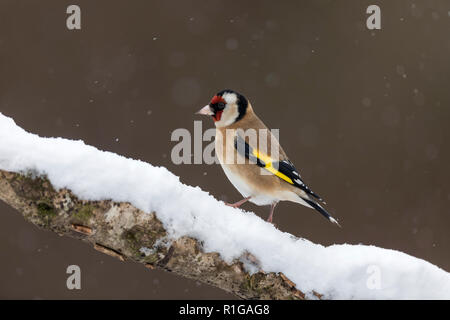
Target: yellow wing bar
[(268, 166)]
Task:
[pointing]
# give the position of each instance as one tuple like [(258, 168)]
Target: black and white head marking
[(228, 107)]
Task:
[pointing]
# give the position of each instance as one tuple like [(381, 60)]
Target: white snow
[(338, 271)]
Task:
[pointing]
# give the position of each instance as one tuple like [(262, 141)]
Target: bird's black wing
[(284, 169)]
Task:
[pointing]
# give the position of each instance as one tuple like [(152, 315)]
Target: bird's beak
[(206, 110)]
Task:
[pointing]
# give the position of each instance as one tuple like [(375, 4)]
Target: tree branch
[(127, 233)]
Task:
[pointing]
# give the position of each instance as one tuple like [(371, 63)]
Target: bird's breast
[(246, 177)]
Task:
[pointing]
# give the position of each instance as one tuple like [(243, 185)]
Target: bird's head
[(226, 107)]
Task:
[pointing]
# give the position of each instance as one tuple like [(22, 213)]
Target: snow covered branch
[(127, 233), (135, 211)]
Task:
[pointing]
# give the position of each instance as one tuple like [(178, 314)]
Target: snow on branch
[(127, 233), (135, 211)]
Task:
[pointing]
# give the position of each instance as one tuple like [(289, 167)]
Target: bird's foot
[(272, 208), (237, 204), (272, 223), (233, 205)]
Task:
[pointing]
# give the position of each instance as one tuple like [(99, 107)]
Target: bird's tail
[(321, 210)]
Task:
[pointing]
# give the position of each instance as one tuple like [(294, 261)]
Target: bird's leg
[(238, 204), (272, 208)]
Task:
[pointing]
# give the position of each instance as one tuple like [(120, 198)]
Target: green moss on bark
[(83, 214), (138, 238), (46, 211)]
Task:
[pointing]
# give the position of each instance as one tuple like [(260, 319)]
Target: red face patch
[(217, 115), (217, 99)]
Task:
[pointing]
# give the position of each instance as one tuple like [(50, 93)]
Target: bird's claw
[(233, 205)]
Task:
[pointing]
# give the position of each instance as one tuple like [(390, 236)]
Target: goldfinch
[(252, 158)]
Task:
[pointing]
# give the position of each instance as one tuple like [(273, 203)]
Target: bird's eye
[(221, 106)]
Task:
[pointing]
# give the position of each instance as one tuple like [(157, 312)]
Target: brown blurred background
[(363, 114)]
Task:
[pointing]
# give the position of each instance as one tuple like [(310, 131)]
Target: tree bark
[(127, 233)]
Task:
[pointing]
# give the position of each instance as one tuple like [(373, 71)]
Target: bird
[(252, 158)]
